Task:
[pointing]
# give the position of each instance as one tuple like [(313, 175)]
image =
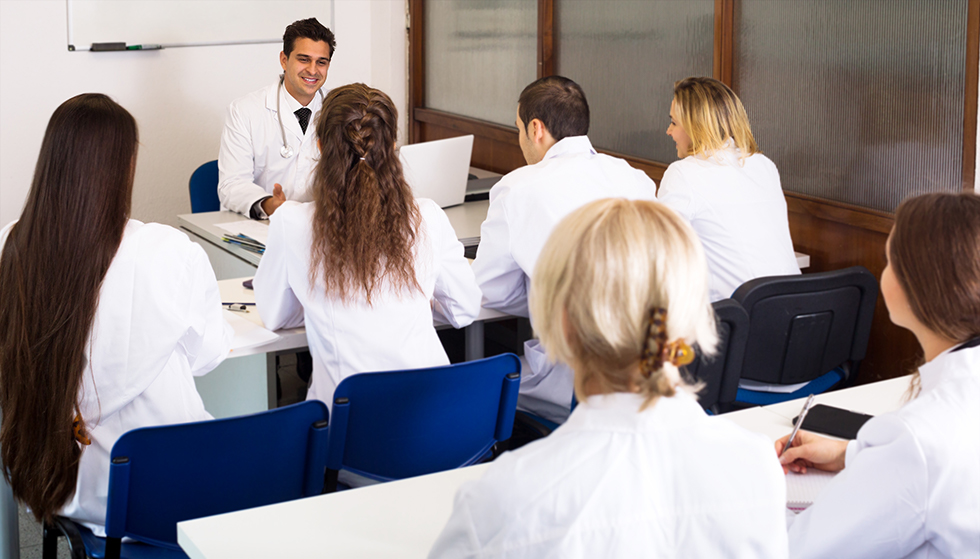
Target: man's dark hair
[(307, 29), (559, 103)]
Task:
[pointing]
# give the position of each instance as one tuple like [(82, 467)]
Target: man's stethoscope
[(286, 151)]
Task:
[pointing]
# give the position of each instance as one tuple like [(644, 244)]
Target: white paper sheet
[(247, 334), (803, 489), (258, 230)]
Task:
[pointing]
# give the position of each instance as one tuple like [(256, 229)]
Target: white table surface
[(402, 519), (233, 291), (466, 220)]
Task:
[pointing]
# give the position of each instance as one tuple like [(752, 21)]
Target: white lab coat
[(911, 485), (395, 332), (249, 160), (157, 326), (739, 212), (525, 206), (614, 482)]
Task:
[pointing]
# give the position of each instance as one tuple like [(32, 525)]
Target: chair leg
[(49, 541), (113, 548), (50, 533), (330, 481)]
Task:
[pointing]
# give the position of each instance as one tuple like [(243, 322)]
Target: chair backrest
[(803, 326), (204, 188), (720, 373), (160, 476), (394, 425)]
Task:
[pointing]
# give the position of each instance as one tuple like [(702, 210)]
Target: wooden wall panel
[(817, 230)]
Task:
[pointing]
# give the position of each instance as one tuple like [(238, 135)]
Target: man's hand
[(269, 205)]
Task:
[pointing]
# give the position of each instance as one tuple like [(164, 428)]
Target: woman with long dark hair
[(103, 319), (909, 485), (365, 265)]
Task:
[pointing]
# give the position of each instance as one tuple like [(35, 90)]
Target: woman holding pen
[(909, 485), (104, 320)]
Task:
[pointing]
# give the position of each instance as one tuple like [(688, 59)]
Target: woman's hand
[(811, 451)]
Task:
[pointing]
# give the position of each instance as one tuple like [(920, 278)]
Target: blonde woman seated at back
[(909, 486), (725, 188), (364, 265), (619, 290)]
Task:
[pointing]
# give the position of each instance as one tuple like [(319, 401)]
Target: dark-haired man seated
[(563, 173), (268, 147)]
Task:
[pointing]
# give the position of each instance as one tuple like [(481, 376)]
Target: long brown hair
[(935, 254), (365, 222), (51, 270)]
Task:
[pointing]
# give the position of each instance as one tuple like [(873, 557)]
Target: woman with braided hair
[(365, 265), (620, 293)]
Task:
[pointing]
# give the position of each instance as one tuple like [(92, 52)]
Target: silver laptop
[(438, 169)]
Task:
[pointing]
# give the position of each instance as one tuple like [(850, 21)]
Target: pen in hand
[(799, 422)]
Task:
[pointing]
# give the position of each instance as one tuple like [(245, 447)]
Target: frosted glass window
[(627, 55), (858, 102), (479, 55)]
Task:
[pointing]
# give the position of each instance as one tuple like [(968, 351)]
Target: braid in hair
[(366, 223)]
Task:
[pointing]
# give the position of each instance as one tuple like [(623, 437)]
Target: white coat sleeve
[(876, 506), (274, 297), (458, 538), (675, 194), (497, 272), (236, 164), (208, 338), (456, 297)]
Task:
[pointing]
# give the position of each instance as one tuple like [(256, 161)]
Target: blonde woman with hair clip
[(620, 293), (726, 188), (909, 485)]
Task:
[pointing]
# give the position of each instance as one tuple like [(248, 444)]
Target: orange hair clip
[(78, 427)]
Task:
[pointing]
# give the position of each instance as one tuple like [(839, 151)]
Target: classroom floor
[(30, 538)]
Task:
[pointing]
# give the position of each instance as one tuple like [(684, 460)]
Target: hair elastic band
[(362, 159)]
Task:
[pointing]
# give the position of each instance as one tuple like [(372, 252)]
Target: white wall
[(178, 96)]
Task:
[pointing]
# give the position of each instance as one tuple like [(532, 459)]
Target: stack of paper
[(803, 489)]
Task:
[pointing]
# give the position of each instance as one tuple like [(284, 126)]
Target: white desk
[(232, 261), (403, 518), (246, 381)]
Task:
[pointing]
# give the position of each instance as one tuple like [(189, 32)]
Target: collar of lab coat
[(949, 364), (620, 411), (289, 107), (572, 145)]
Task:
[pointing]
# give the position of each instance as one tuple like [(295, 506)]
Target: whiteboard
[(186, 23)]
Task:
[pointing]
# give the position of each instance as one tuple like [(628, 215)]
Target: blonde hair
[(710, 113), (602, 270)]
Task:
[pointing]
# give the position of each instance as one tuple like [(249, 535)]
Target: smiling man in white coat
[(563, 173), (268, 149)]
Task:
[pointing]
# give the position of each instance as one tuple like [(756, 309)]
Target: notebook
[(803, 489), (438, 170)]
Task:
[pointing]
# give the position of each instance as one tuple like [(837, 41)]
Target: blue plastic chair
[(394, 425), (811, 328), (204, 188), (160, 476)]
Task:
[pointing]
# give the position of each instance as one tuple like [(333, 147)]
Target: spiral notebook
[(803, 489)]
